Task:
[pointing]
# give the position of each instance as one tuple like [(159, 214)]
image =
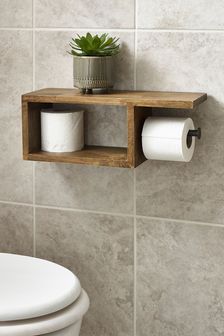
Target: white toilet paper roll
[(61, 131), (166, 139)]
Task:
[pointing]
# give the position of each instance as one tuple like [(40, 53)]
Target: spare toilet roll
[(61, 131), (166, 139)]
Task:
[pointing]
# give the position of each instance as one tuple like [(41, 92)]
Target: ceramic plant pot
[(93, 73)]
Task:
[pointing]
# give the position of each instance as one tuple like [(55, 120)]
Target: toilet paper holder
[(195, 133)]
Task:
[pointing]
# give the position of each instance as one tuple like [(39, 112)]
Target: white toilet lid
[(32, 287)]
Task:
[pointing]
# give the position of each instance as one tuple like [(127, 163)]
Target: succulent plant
[(94, 45)]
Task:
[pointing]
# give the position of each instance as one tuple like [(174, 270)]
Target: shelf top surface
[(186, 100)]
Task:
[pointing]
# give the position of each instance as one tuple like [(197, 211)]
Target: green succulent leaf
[(89, 45), (103, 38)]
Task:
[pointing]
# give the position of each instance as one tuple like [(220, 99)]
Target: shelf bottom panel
[(91, 155)]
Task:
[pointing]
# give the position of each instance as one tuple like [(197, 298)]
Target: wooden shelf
[(182, 100), (138, 105)]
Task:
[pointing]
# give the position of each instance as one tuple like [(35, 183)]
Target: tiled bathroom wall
[(147, 244)]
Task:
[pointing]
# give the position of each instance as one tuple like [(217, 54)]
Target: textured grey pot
[(92, 72)]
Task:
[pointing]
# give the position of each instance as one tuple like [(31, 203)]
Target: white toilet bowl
[(38, 297)]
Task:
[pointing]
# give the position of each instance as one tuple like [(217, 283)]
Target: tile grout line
[(131, 30), (69, 29), (180, 221), (84, 29), (33, 34), (51, 207), (196, 30), (135, 257), (34, 163), (16, 28), (34, 213), (134, 183), (16, 203), (135, 49), (118, 214)]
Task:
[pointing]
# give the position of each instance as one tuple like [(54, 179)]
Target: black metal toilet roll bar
[(195, 133)]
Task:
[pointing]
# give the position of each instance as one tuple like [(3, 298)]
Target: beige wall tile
[(16, 174), (99, 250), (179, 279), (185, 62), (53, 63), (85, 187), (15, 69), (190, 191), (16, 13), (16, 229), (54, 66), (105, 125), (85, 14), (16, 78), (178, 61), (180, 14)]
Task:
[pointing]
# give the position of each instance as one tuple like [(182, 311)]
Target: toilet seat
[(49, 323), (38, 297), (32, 287)]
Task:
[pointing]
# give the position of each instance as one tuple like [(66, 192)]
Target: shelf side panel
[(25, 130), (34, 125), (130, 126)]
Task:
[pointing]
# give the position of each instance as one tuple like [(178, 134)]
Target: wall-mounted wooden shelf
[(138, 106)]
